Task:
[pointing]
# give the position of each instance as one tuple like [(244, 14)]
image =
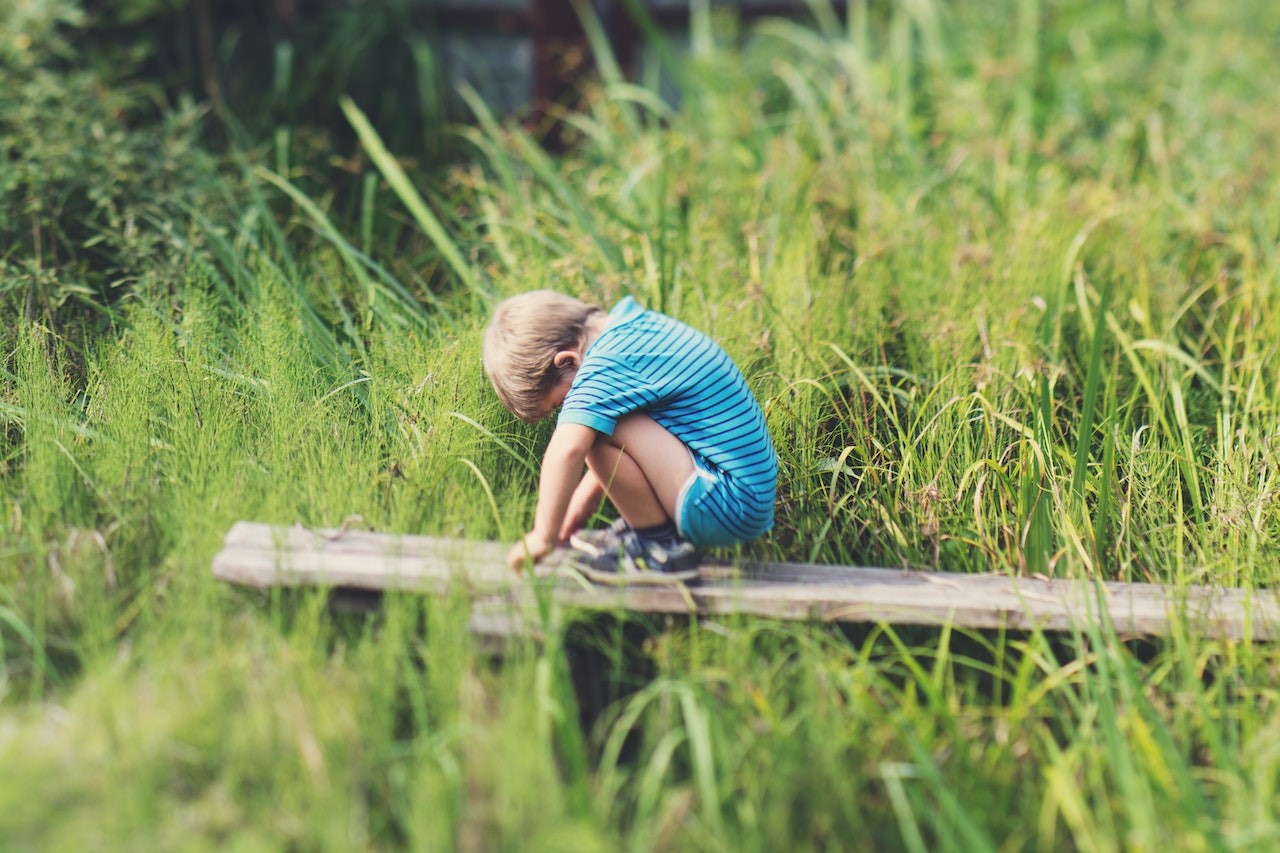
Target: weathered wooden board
[(263, 556)]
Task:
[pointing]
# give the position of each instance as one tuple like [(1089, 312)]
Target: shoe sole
[(636, 578), (585, 550)]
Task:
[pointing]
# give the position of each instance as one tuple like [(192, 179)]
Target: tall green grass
[(1004, 281)]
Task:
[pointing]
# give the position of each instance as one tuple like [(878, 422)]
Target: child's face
[(553, 398), (567, 361)]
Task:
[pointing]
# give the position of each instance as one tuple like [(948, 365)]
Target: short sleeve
[(603, 392)]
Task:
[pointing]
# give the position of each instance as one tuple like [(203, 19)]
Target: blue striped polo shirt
[(645, 361)]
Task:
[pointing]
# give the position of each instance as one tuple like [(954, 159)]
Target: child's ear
[(567, 358)]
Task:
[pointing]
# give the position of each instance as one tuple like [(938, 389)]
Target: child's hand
[(532, 547)]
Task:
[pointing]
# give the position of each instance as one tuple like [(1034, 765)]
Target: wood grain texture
[(259, 555)]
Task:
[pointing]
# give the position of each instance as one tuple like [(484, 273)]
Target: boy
[(662, 419)]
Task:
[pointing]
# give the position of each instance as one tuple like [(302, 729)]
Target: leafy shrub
[(97, 180)]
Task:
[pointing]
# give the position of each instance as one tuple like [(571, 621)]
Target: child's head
[(521, 343)]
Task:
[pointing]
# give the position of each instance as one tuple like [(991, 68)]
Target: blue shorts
[(709, 501)]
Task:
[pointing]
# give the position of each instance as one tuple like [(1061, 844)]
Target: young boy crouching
[(662, 419)]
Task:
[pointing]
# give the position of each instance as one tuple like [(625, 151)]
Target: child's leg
[(643, 468)]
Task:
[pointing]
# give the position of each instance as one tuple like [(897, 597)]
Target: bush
[(99, 176)]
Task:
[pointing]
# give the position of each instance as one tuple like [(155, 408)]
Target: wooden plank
[(263, 556)]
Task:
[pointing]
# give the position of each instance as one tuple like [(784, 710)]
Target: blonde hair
[(521, 343)]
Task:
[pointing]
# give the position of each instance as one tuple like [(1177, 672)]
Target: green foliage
[(94, 188), (1004, 281)]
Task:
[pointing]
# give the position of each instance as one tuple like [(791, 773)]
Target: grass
[(1005, 285)]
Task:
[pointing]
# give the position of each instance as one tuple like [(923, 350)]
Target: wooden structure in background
[(527, 58), (259, 555)]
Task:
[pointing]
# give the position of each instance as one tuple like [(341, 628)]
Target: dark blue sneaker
[(616, 555)]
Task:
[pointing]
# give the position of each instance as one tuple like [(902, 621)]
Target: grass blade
[(422, 214)]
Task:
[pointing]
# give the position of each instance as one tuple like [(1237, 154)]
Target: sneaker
[(593, 542), (616, 555)]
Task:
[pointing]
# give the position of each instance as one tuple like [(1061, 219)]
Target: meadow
[(1004, 278)]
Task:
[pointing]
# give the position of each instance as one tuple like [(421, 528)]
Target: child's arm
[(561, 472), (585, 501)]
